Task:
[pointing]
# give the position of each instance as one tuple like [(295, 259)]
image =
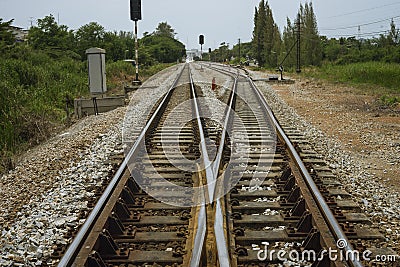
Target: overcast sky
[(219, 20)]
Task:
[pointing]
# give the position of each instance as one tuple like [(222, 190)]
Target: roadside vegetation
[(370, 64), (379, 74), (39, 76)]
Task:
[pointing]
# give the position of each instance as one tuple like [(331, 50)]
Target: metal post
[(95, 107), (239, 53), (136, 52), (298, 68)]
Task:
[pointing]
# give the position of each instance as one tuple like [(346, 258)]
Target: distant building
[(20, 34), (192, 53)]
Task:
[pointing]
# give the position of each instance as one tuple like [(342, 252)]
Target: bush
[(33, 88), (375, 73)]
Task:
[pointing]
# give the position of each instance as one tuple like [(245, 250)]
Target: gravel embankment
[(377, 199), (44, 196)]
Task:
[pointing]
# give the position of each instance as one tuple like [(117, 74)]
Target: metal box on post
[(97, 70)]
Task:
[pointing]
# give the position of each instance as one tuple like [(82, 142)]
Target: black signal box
[(201, 39), (136, 10)]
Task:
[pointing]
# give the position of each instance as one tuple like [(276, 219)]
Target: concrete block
[(85, 107)]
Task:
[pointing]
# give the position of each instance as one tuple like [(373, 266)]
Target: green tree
[(163, 49), (288, 43), (276, 44), (311, 42), (266, 36), (272, 38), (114, 46), (223, 53), (276, 47), (394, 35), (164, 29), (260, 22), (6, 36), (48, 34), (89, 35), (245, 52)]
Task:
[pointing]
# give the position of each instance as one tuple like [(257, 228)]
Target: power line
[(362, 34), (359, 25), (363, 10), (359, 33)]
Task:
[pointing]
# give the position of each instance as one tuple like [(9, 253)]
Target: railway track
[(263, 197), (146, 213), (291, 210)]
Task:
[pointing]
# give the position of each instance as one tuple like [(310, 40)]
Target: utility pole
[(31, 21), (239, 53), (298, 67)]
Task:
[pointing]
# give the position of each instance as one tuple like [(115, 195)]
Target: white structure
[(192, 53), (20, 34), (97, 70)]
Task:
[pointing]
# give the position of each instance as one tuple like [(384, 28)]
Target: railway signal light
[(201, 39), (201, 42), (136, 10)]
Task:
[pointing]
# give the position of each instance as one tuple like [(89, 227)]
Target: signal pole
[(136, 52), (136, 14), (298, 67)]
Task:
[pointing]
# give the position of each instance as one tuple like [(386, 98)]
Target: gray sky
[(219, 20)]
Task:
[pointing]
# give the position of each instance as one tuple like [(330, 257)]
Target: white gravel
[(48, 190), (215, 100), (43, 197), (144, 99)]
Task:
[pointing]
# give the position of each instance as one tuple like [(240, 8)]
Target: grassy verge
[(120, 73), (375, 78), (33, 91), (34, 86)]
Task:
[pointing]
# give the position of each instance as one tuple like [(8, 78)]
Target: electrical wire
[(361, 34), (359, 25), (363, 10)]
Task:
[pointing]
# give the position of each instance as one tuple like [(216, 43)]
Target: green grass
[(121, 69), (33, 90), (120, 73), (380, 78)]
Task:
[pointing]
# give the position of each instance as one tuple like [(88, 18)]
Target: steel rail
[(79, 240), (221, 240), (199, 238), (323, 206), (207, 165)]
